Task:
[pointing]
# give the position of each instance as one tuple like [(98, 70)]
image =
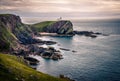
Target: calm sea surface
[(96, 59)]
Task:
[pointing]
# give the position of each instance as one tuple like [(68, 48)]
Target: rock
[(51, 53), (21, 31), (66, 78), (93, 36), (57, 56), (46, 54), (98, 33), (52, 49), (22, 52), (32, 61), (86, 33), (65, 49), (41, 42), (7, 39), (74, 51), (59, 44), (61, 76), (49, 42), (10, 20)]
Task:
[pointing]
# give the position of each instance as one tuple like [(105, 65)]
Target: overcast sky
[(76, 9)]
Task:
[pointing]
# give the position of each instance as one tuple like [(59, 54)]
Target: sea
[(95, 59)]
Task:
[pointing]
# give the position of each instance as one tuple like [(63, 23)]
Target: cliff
[(14, 26), (15, 35), (7, 38), (59, 27)]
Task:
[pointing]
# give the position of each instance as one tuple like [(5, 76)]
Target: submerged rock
[(88, 33), (49, 42), (31, 61), (57, 56), (74, 51), (65, 49)]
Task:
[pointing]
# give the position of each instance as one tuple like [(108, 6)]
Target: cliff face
[(10, 21), (13, 32), (15, 26), (7, 39), (59, 27)]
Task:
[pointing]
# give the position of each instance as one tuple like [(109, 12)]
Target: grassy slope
[(13, 69), (39, 27)]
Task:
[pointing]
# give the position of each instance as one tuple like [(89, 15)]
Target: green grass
[(14, 69), (5, 14), (39, 27)]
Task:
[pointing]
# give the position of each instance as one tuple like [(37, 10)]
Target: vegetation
[(13, 68), (39, 27), (5, 14), (6, 38)]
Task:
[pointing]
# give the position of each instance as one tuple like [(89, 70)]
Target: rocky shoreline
[(81, 33), (19, 39), (89, 33), (49, 52), (25, 42)]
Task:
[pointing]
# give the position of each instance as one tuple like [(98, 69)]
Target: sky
[(67, 9)]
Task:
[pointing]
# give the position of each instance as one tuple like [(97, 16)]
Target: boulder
[(32, 61), (51, 53), (65, 49)]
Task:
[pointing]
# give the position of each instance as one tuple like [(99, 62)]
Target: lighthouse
[(60, 18)]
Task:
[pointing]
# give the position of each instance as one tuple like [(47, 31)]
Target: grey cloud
[(51, 8)]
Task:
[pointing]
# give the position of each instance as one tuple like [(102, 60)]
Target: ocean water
[(96, 59)]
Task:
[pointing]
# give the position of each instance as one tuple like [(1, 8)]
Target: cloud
[(68, 8)]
